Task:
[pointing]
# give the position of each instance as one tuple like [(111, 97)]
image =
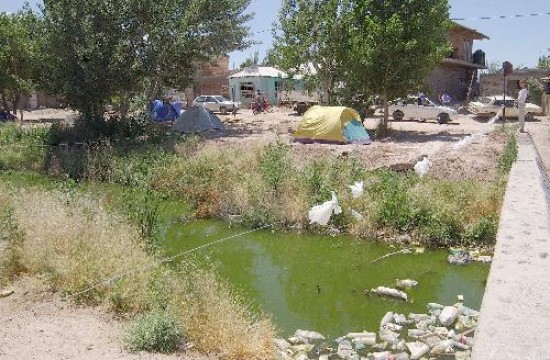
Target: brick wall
[(213, 78), (452, 80)]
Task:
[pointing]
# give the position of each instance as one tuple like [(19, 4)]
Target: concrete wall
[(493, 84), (546, 104)]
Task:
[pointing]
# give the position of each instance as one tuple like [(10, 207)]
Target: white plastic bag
[(356, 189), (321, 214), (448, 315), (382, 290), (422, 167), (462, 143)]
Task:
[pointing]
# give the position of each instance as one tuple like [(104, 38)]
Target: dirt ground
[(38, 325)]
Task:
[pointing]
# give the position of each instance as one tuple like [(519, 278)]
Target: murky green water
[(318, 283)]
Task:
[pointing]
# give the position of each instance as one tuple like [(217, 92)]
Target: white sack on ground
[(356, 189), (422, 167), (321, 214)]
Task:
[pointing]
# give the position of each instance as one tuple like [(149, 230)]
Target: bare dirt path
[(44, 327)]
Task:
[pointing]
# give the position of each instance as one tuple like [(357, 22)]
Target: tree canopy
[(312, 38), (544, 61), (385, 47), (18, 59), (99, 49)]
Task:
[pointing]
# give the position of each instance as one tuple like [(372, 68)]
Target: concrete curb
[(515, 312)]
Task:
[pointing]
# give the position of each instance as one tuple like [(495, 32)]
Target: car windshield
[(220, 98)]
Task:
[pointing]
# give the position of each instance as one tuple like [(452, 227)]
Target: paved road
[(515, 313)]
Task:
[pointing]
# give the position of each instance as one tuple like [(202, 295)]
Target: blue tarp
[(163, 111)]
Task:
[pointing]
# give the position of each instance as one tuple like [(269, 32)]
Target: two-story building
[(457, 73)]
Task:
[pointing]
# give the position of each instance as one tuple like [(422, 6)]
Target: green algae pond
[(318, 282), (308, 281)]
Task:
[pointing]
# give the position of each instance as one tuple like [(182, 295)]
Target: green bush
[(482, 232), (391, 191), (157, 331), (274, 164)]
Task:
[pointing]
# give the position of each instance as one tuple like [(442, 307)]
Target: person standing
[(520, 104)]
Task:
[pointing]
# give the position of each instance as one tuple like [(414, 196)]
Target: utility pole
[(507, 69)]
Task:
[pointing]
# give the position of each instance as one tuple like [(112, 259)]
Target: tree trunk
[(16, 100), (124, 104), (386, 108)]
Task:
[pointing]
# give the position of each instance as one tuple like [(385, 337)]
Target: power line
[(109, 281), (497, 17)]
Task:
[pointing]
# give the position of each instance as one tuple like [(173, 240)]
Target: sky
[(519, 40)]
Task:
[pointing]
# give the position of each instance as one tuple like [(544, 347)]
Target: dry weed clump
[(77, 244), (217, 321), (72, 243)]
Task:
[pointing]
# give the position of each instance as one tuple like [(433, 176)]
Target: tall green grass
[(262, 184)]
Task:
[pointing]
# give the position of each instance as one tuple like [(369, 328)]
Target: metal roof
[(260, 71)]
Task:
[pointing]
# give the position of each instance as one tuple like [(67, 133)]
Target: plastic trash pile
[(444, 332), (463, 257)]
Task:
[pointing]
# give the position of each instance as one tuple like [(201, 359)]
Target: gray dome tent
[(196, 120)]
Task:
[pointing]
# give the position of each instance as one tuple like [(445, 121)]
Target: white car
[(217, 103), (494, 105), (427, 110)]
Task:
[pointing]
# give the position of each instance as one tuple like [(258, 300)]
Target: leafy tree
[(544, 61), (254, 59), (395, 44), (313, 33), (100, 49), (18, 59)]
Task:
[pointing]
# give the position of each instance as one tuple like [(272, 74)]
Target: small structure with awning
[(269, 80)]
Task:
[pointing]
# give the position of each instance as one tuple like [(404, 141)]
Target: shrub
[(157, 331), (21, 149), (274, 164)]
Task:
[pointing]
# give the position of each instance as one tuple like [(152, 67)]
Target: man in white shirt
[(520, 103)]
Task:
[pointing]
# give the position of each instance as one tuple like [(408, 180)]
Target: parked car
[(425, 110), (217, 103), (493, 106)]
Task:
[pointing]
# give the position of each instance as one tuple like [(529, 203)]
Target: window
[(279, 85), (201, 99), (247, 90), (210, 99)]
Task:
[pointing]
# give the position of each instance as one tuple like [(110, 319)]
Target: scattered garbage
[(417, 336), (417, 349), (356, 215), (483, 259), (405, 284), (356, 189), (448, 315), (402, 251), (321, 214), (463, 257), (459, 257), (465, 141), (422, 167), (6, 293), (386, 291)]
